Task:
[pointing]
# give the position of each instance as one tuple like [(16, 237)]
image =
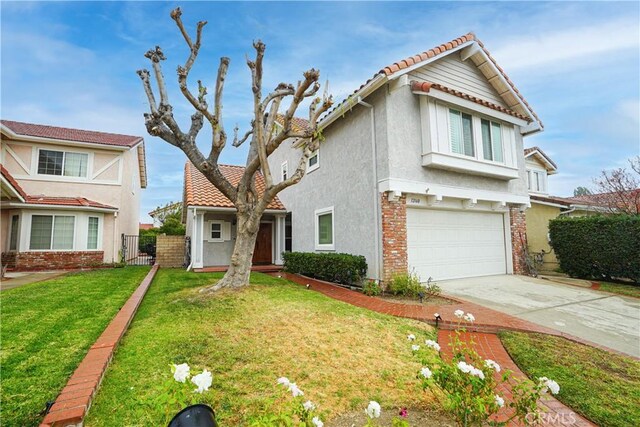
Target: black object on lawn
[(195, 416)]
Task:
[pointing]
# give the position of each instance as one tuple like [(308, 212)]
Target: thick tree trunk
[(240, 265)]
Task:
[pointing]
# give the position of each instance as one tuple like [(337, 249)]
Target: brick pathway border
[(74, 400), (488, 323)]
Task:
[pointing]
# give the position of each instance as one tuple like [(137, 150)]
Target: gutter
[(376, 197)]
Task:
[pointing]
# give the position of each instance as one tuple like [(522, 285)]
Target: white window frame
[(64, 156), (491, 140), (311, 168), (318, 214), (209, 231), (11, 231), (284, 171), (99, 233), (53, 224), (537, 180), (473, 133)]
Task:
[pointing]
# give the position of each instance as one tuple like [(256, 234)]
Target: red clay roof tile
[(199, 191), (12, 181), (68, 134)]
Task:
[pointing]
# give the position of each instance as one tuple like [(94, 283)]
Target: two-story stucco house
[(67, 195), (421, 169)]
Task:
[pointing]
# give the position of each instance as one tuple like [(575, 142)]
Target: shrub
[(338, 268), (405, 284), (598, 246), (371, 288)]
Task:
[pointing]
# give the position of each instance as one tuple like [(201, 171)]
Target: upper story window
[(62, 163), (491, 140), (284, 171), (313, 162), (537, 180), (461, 133)]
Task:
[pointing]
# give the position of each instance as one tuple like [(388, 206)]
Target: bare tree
[(263, 135), (620, 188)]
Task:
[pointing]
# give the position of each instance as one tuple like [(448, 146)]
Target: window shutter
[(486, 140), (226, 231), (467, 134), (455, 132), (496, 136)]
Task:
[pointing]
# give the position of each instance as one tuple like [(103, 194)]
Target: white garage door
[(454, 244)]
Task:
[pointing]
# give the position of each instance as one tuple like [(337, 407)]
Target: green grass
[(341, 356), (46, 330), (626, 289), (599, 385)]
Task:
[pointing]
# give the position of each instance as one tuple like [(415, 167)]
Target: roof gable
[(199, 191), (542, 158)]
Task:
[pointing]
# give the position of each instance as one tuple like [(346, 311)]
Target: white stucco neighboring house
[(67, 195), (421, 169)]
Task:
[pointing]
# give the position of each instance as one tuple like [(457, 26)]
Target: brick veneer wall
[(170, 250), (394, 236), (518, 223), (58, 260)]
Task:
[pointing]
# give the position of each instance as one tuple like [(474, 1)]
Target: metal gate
[(138, 250)]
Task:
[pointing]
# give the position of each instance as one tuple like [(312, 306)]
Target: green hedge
[(338, 268), (598, 246)]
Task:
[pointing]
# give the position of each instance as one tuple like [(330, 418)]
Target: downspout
[(376, 197), (191, 241)]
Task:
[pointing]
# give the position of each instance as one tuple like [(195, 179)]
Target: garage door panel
[(452, 244)]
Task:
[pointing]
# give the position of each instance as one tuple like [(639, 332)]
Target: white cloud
[(563, 47)]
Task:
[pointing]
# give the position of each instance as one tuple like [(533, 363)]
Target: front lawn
[(626, 289), (341, 356), (600, 385), (46, 330)]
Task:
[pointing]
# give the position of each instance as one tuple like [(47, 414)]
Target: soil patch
[(415, 417)]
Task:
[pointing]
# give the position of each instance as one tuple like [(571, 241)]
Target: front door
[(262, 251)]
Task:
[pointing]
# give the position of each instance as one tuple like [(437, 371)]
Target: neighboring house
[(544, 207), (146, 226), (67, 195), (160, 213), (421, 169), (211, 221)]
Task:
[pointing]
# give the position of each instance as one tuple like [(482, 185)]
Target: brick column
[(518, 224), (394, 236)]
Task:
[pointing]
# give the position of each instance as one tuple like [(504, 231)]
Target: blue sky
[(73, 64)]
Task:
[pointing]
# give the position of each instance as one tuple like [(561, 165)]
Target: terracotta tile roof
[(427, 54), (531, 150), (297, 123), (427, 86), (631, 198), (199, 191), (391, 69), (12, 181), (67, 134), (66, 201), (145, 226), (551, 199)]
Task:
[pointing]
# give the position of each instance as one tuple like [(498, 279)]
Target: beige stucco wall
[(118, 185), (538, 217)]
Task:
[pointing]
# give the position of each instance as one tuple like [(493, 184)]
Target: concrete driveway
[(612, 321)]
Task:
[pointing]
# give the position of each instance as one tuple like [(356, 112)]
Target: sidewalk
[(17, 279)]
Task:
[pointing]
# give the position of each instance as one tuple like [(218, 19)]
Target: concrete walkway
[(17, 279), (611, 321)]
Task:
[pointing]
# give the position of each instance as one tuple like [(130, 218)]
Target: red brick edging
[(74, 400)]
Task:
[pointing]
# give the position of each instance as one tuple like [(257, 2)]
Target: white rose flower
[(434, 345), (551, 385), (309, 406), (464, 367), (426, 372), (203, 381), (316, 422), (477, 373), (295, 391), (284, 381), (492, 364), (373, 410), (181, 372), (469, 317), (411, 337), (499, 401), (458, 314), (436, 315), (415, 347)]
